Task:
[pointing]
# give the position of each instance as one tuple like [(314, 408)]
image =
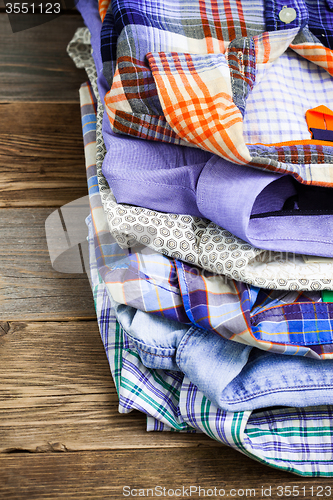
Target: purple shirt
[(268, 210)]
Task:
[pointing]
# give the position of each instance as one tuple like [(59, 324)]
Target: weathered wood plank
[(30, 288), (34, 65), (115, 475), (41, 154), (57, 393)]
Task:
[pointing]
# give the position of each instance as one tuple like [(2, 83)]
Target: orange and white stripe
[(317, 54), (103, 7), (200, 109)]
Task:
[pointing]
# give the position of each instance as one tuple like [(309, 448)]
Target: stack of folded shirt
[(208, 141)]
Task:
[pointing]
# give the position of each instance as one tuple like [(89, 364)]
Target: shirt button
[(287, 15)]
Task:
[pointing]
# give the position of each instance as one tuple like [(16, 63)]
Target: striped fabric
[(182, 72), (103, 7), (202, 243), (298, 440), (294, 323), (196, 97)]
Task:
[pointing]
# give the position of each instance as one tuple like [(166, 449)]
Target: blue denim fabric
[(233, 376), (209, 361)]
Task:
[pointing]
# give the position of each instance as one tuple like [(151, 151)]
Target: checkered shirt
[(227, 77), (297, 440), (293, 323)]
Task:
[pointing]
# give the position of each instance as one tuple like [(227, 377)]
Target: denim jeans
[(233, 376)]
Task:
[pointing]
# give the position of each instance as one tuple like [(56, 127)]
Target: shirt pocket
[(195, 92)]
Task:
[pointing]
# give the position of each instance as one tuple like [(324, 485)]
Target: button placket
[(241, 59), (285, 14)]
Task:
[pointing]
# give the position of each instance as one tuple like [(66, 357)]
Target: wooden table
[(60, 432)]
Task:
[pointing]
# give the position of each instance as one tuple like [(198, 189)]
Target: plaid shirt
[(199, 241), (292, 323), (207, 74), (298, 440)]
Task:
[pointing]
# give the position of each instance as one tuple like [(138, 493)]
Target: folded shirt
[(267, 210), (173, 403), (293, 323), (195, 240), (233, 79), (207, 245), (263, 208)]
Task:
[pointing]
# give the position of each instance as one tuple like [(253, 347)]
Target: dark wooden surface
[(61, 435), (30, 289), (46, 156), (104, 474), (34, 65)]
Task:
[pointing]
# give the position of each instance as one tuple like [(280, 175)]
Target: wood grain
[(57, 394), (30, 289), (103, 475), (61, 435), (41, 154), (37, 67)]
